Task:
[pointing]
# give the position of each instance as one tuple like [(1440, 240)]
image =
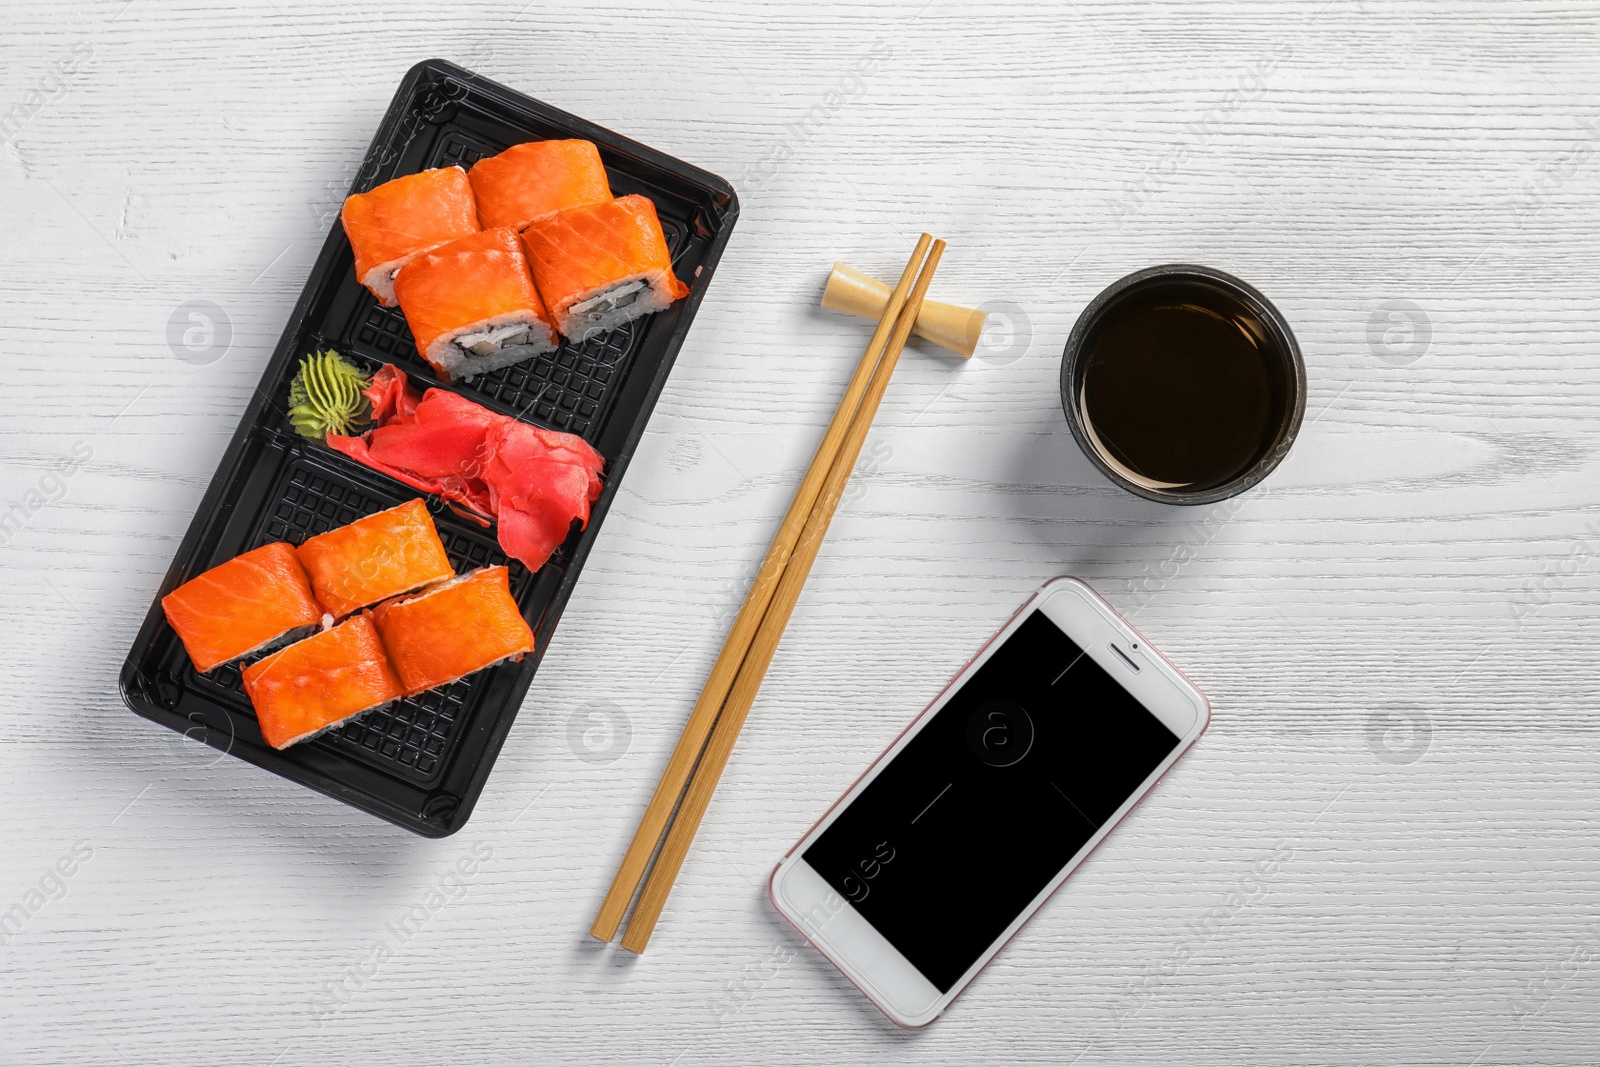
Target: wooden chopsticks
[(708, 737)]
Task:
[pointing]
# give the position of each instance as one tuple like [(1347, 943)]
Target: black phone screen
[(990, 800)]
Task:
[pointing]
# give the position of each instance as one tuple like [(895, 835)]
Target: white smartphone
[(984, 805)]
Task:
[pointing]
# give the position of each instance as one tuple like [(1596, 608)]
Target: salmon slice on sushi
[(602, 265), (472, 306), (320, 683), (372, 559), (249, 604), (453, 629), (528, 182), (401, 219)]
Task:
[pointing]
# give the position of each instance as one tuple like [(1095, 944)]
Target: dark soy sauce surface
[(1183, 386)]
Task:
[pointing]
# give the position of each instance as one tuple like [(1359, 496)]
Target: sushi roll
[(602, 265), (453, 629), (248, 604), (472, 306), (400, 219), (372, 559), (526, 182), (316, 684)]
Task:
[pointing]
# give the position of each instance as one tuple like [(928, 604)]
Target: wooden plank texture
[(1391, 628)]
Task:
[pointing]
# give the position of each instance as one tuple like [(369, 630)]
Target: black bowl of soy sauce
[(1183, 384)]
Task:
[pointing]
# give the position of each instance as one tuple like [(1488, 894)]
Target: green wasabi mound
[(326, 396)]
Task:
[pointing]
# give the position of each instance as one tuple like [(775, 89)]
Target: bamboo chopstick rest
[(946, 325)]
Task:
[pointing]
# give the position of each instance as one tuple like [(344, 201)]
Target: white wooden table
[(1384, 850)]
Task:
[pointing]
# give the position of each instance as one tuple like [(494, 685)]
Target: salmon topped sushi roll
[(526, 182), (403, 218), (602, 265), (453, 629), (319, 683), (472, 306), (374, 558), (245, 605)]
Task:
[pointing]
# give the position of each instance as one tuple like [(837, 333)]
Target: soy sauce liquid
[(1183, 387)]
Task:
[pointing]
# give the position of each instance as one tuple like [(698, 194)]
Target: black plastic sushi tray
[(421, 763)]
